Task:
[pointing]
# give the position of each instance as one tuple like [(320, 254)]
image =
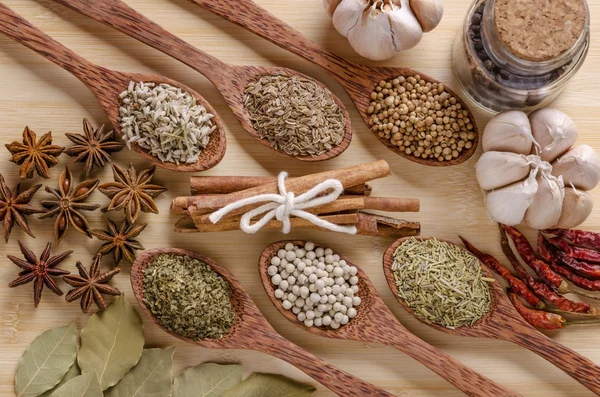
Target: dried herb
[(90, 286), (34, 155), (188, 297), (441, 282), (14, 205), (132, 192), (85, 385), (207, 380), (68, 202), (269, 385), (93, 147), (40, 271), (111, 343), (73, 372), (119, 240), (46, 361), (151, 377), (296, 115)]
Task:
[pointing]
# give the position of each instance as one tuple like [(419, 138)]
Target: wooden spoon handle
[(455, 372), (336, 380), (125, 19), (577, 366), (256, 19), (19, 29)]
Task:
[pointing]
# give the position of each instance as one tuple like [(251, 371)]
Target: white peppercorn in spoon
[(107, 85), (251, 331), (230, 80), (375, 322)]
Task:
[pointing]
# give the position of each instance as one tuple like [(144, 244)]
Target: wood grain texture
[(230, 80), (251, 330), (358, 80), (376, 323), (47, 98), (504, 322), (106, 85)]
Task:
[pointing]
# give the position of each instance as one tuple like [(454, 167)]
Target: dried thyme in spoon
[(441, 282), (188, 297)]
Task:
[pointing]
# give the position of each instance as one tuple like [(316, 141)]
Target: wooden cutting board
[(44, 97)]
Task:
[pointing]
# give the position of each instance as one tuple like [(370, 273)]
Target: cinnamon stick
[(230, 184), (350, 176)]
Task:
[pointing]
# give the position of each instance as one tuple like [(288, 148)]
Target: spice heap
[(441, 282), (187, 297), (421, 118), (315, 284), (165, 121), (296, 115)]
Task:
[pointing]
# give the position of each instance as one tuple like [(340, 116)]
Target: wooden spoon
[(251, 331), (106, 85), (376, 323), (230, 80), (358, 80), (504, 322)]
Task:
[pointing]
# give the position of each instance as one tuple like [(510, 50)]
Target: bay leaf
[(151, 377), (207, 380), (269, 385), (73, 372), (46, 361), (85, 385), (111, 343)]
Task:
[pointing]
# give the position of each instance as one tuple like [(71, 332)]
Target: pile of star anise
[(131, 192)]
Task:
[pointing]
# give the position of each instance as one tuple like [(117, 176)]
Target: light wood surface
[(39, 94)]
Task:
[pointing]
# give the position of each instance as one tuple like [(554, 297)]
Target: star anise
[(90, 286), (40, 271), (68, 203), (119, 240), (34, 155), (14, 205), (94, 147), (132, 192)]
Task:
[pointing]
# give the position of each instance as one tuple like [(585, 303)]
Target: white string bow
[(285, 204)]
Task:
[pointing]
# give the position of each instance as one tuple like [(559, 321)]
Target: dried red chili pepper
[(547, 274), (583, 268), (580, 238), (537, 318), (548, 252), (516, 284), (584, 254), (541, 289)]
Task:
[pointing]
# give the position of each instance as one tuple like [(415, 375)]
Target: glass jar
[(500, 71)]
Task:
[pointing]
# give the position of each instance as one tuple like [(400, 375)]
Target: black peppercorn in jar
[(512, 54)]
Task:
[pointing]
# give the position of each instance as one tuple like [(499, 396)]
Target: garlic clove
[(348, 14), (554, 131), (497, 169), (509, 204), (428, 12), (331, 5), (406, 30), (576, 208), (508, 132), (580, 167), (546, 207)]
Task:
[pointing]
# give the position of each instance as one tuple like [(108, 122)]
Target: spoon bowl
[(375, 322), (505, 323), (230, 80), (251, 331), (106, 85)]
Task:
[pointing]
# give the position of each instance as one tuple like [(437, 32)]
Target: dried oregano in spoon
[(441, 282)]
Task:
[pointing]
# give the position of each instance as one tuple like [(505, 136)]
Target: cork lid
[(539, 30)]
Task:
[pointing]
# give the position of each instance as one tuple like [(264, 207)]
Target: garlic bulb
[(546, 207), (509, 204), (577, 206), (508, 132), (498, 169), (580, 167), (376, 29), (428, 12), (554, 131)]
